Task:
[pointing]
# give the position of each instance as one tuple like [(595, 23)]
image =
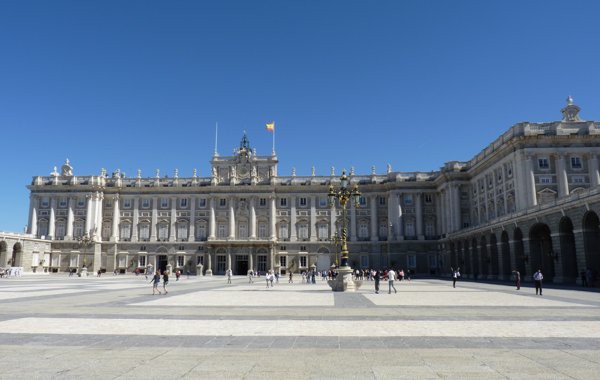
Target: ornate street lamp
[(85, 242), (344, 195)]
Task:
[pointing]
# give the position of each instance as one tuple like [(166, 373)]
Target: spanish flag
[(270, 126)]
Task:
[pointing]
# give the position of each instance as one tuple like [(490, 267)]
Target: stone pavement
[(113, 327)]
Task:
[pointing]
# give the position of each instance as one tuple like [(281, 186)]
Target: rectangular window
[(45, 202), (62, 203), (364, 261), (222, 202), (408, 199), (283, 202), (302, 248), (543, 163), (381, 201), (202, 202), (323, 202), (164, 202), (283, 231), (432, 262), (183, 203), (222, 231), (145, 203), (303, 261), (144, 231), (282, 248), (362, 201), (427, 198), (409, 229), (180, 261), (303, 231), (221, 264), (303, 202), (546, 180), (576, 162), (578, 179), (429, 229), (363, 230), (283, 261), (262, 202), (262, 231), (80, 202), (262, 263), (127, 203), (142, 262), (411, 261)]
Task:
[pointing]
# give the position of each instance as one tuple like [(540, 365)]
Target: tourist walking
[(177, 274), (155, 281), (228, 273), (251, 276), (165, 281), (376, 278), (391, 277), (455, 276), (517, 276), (291, 280), (537, 278)]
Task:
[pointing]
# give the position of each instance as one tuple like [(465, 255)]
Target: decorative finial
[(157, 173), (389, 168), (312, 172), (103, 173), (54, 172), (195, 173), (293, 171), (139, 173), (67, 169), (351, 170), (373, 170), (571, 111), (176, 173), (332, 171)]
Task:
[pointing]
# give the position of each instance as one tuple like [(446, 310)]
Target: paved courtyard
[(113, 327)]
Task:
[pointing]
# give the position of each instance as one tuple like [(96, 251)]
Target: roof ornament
[(373, 170), (571, 111), (67, 169), (176, 173), (54, 172), (157, 173), (333, 171), (312, 171), (139, 173), (195, 173), (293, 171), (389, 168), (351, 170)]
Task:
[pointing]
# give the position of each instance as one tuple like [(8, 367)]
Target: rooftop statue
[(66, 169)]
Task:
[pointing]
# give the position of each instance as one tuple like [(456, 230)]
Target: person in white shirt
[(391, 277), (229, 276), (537, 278)]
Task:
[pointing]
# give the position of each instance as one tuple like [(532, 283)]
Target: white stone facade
[(247, 216)]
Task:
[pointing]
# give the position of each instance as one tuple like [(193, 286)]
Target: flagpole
[(216, 137)]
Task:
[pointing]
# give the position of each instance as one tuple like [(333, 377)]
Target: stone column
[(313, 218), (457, 211), (154, 227), (52, 223), (561, 176), (332, 218), (252, 218), (352, 222), (251, 261), (399, 212), (272, 257), (292, 235), (98, 226), (116, 219), (443, 211), (209, 270), (192, 229), (136, 218), (438, 214), (173, 221), (70, 217), (33, 207), (231, 218), (593, 170), (530, 176), (374, 235), (419, 216), (229, 259), (273, 219), (88, 215), (391, 217), (559, 276), (212, 221), (502, 273)]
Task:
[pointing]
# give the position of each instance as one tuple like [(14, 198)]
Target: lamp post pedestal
[(343, 282)]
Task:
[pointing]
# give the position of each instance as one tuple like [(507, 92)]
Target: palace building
[(529, 200)]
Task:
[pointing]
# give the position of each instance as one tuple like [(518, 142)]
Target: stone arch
[(567, 250), (519, 252), (17, 255), (484, 257), (474, 259), (505, 250), (494, 266), (540, 250), (591, 243)]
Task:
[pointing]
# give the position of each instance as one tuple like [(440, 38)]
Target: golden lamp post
[(344, 195)]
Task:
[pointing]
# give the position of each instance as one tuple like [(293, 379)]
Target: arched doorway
[(591, 244), (324, 259), (540, 250), (474, 259), (567, 250), (3, 254), (17, 255), (519, 252), (494, 255), (485, 259), (505, 249)]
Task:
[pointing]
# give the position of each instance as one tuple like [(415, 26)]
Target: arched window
[(243, 230), (201, 231), (182, 230), (303, 231), (106, 230), (163, 231), (283, 231), (222, 230), (144, 232), (262, 231), (60, 230), (125, 232), (363, 230), (78, 228), (322, 231), (43, 228)]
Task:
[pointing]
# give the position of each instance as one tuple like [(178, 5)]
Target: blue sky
[(140, 84)]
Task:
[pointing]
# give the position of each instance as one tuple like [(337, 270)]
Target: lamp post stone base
[(343, 282)]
